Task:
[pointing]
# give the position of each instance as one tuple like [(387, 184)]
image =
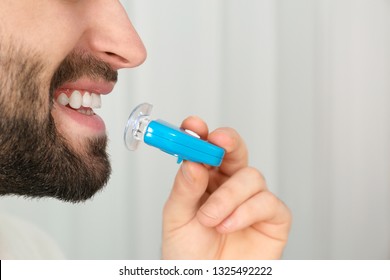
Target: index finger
[(236, 153)]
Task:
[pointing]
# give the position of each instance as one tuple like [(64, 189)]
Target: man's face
[(56, 58)]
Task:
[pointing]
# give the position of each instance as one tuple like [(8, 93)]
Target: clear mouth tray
[(169, 138)]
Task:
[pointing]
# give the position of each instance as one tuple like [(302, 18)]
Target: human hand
[(225, 212)]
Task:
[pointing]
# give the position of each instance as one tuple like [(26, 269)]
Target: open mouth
[(76, 109), (81, 101), (75, 104)]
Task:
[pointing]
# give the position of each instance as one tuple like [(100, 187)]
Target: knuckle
[(254, 174), (271, 198), (271, 202)]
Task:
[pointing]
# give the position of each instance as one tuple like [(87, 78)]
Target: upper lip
[(92, 86)]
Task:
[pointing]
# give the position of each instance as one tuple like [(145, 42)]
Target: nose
[(111, 36)]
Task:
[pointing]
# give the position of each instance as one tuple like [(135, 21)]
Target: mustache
[(80, 64)]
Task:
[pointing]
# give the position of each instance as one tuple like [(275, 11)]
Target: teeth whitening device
[(169, 138)]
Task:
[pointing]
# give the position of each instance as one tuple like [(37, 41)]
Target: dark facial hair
[(35, 159)]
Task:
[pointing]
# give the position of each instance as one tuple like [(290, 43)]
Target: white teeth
[(63, 99), (96, 101), (78, 100), (87, 100), (75, 100)]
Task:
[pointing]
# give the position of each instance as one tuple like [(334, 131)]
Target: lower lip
[(94, 122)]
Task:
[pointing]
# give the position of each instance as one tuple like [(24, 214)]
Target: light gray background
[(306, 83)]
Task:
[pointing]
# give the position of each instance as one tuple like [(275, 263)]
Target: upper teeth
[(76, 100)]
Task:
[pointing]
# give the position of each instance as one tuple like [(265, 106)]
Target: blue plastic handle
[(184, 146)]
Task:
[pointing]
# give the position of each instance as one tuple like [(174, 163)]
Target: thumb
[(184, 201)]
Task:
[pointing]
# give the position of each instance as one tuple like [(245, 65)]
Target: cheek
[(24, 84), (50, 29), (55, 44), (61, 31)]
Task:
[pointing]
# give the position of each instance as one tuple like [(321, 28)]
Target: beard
[(36, 160)]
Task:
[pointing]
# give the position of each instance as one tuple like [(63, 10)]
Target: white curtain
[(305, 82)]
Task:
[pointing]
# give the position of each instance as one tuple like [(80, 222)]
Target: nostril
[(116, 59)]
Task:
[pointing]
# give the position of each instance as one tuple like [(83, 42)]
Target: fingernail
[(186, 170)]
